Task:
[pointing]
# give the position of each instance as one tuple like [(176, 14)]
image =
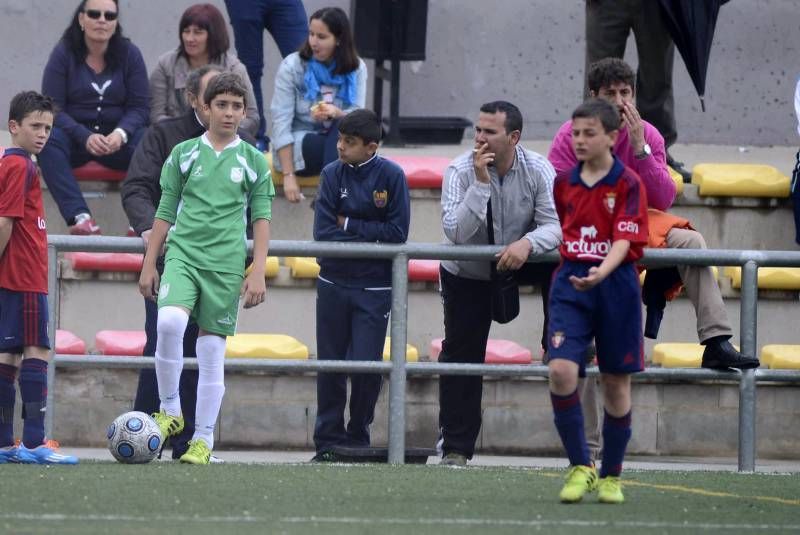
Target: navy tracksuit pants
[(351, 325)]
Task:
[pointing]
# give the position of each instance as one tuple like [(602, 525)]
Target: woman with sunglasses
[(98, 80), (314, 88), (203, 40)]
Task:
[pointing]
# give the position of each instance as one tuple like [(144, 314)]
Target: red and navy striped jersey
[(615, 208), (23, 264)]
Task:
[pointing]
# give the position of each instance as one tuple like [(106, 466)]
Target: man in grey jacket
[(519, 184)]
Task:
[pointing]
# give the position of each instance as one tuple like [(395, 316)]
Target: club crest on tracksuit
[(380, 198)]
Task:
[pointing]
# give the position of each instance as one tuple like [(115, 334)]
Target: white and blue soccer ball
[(134, 438)]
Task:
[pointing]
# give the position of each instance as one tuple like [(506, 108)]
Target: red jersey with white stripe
[(23, 265), (615, 208)]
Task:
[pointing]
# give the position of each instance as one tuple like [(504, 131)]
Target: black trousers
[(608, 23), (467, 319)]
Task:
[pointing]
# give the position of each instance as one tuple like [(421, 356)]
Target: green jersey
[(205, 195)]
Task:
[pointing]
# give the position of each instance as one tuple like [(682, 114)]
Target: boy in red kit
[(595, 294), (24, 343)]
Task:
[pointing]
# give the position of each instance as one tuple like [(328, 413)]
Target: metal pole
[(747, 384), (53, 289), (397, 377)]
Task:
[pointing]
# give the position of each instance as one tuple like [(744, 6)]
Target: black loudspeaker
[(373, 21)]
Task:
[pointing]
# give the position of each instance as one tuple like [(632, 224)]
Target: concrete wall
[(527, 51), (270, 411)]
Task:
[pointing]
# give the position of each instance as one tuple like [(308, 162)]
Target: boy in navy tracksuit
[(362, 198)]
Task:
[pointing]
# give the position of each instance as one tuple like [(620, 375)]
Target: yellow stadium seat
[(779, 356), (412, 355), (769, 278), (270, 268), (267, 346), (740, 180), (678, 355), (302, 267), (677, 178), (302, 181)]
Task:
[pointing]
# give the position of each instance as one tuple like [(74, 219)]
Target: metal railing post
[(747, 382), (53, 298), (397, 377)]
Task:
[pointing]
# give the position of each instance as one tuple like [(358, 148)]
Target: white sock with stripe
[(210, 386), (172, 323)]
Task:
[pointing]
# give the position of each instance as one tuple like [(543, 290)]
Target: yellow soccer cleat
[(169, 425), (580, 480), (198, 453), (609, 490)]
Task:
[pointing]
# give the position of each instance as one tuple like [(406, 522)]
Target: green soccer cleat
[(580, 480), (198, 453), (609, 490), (169, 425)]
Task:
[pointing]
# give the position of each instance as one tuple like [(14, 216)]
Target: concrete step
[(726, 223), (263, 410), (91, 302)]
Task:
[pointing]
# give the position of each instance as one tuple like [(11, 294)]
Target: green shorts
[(211, 296)]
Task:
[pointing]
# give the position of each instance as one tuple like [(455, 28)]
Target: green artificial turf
[(99, 497)]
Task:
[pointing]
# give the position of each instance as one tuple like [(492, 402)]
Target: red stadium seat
[(69, 344), (120, 342), (423, 270), (93, 171), (130, 262), (497, 352), (506, 352), (423, 171)]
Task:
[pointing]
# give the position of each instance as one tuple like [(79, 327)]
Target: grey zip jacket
[(522, 206)]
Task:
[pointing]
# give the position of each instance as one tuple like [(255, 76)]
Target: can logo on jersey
[(237, 174), (557, 339), (610, 201), (380, 198)]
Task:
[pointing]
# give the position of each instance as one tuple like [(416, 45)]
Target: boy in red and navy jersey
[(24, 343), (595, 294)]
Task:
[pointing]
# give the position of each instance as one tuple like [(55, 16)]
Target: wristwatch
[(646, 151), (122, 133)]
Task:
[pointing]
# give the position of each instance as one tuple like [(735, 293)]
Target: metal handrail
[(398, 369)]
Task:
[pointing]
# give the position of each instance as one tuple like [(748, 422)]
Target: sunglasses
[(95, 14)]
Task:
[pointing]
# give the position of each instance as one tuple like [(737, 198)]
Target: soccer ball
[(134, 438)]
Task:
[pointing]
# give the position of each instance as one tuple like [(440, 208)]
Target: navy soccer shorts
[(610, 313), (23, 320)]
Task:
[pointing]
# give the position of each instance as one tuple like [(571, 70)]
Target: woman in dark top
[(98, 80)]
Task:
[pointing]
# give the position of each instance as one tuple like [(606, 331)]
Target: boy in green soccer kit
[(207, 185)]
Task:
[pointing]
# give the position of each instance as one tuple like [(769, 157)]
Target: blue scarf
[(318, 74)]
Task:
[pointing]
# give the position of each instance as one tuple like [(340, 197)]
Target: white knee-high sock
[(210, 386), (172, 323)]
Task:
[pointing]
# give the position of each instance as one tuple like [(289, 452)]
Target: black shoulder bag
[(505, 290)]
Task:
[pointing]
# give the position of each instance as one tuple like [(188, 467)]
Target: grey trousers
[(608, 23)]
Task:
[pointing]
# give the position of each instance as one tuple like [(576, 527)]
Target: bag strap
[(490, 235)]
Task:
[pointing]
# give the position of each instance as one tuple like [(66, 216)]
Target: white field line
[(247, 519)]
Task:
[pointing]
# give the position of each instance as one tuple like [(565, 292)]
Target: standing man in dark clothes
[(141, 193)]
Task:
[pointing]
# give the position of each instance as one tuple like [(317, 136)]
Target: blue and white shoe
[(9, 454), (47, 453)]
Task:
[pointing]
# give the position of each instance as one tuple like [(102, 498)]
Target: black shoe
[(680, 169), (324, 457), (722, 356)]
